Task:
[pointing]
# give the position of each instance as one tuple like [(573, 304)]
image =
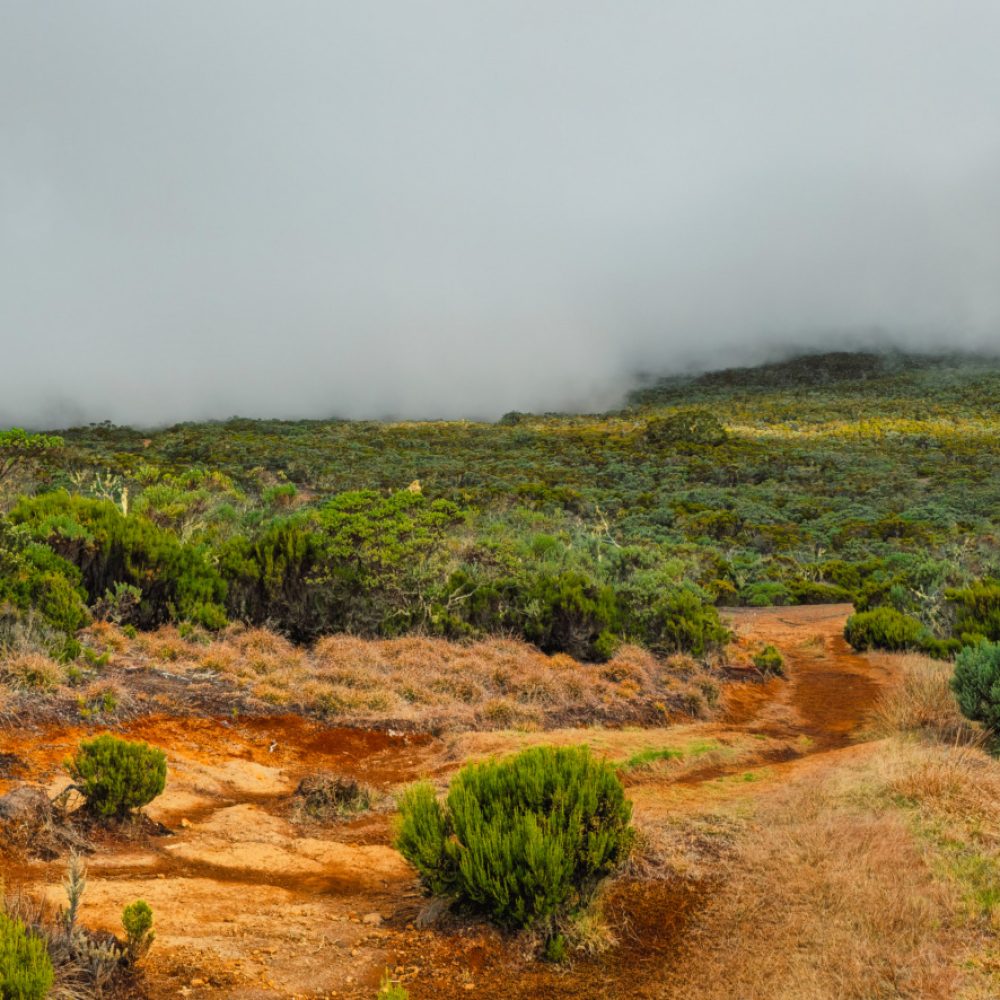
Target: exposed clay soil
[(250, 903)]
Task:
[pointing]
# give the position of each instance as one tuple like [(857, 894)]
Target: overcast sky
[(462, 207)]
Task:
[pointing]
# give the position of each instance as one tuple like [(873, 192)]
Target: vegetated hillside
[(862, 477)]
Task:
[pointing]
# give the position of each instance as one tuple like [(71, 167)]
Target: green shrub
[(976, 683), (177, 580), (25, 967), (885, 628), (116, 776), (556, 948), (572, 613), (685, 427), (770, 661), (767, 595), (521, 839), (977, 611), (389, 989), (137, 919)]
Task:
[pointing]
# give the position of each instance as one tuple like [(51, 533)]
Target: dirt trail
[(251, 904)]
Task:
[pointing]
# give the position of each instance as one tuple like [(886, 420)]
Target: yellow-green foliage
[(137, 920), (25, 967), (840, 477), (521, 839), (116, 776)]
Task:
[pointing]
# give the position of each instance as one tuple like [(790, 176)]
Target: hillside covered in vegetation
[(870, 478)]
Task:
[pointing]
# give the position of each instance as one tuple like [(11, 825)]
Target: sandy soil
[(250, 903)]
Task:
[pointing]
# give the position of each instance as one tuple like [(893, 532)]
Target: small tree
[(522, 839), (116, 776), (976, 683), (25, 967), (137, 919)]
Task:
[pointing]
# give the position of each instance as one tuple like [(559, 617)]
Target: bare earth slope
[(251, 904)]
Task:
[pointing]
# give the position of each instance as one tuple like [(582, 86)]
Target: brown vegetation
[(430, 684)]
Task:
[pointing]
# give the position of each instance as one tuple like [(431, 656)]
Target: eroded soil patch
[(250, 903)]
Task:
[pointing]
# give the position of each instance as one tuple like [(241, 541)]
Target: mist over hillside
[(456, 211)]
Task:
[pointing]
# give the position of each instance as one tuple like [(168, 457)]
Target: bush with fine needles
[(976, 683), (25, 967), (116, 776), (522, 839)]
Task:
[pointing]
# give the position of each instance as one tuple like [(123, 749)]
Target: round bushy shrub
[(692, 426), (521, 839), (976, 683), (25, 967), (885, 628), (116, 776), (769, 661), (137, 919)]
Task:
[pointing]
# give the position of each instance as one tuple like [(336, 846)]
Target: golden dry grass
[(874, 873), (822, 901), (922, 704), (430, 683), (31, 672)]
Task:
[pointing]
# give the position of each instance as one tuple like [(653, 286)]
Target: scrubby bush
[(26, 971), (177, 580), (688, 426), (769, 661), (976, 683), (331, 796), (885, 628), (137, 919), (521, 839), (572, 613), (116, 776), (977, 611)]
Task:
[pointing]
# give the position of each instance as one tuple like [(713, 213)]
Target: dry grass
[(32, 672), (923, 704), (874, 874), (823, 901), (433, 684)]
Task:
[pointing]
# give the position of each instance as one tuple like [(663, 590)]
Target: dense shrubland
[(844, 478)]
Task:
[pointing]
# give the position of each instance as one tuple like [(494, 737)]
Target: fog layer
[(454, 208)]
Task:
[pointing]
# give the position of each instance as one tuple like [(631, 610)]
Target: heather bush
[(116, 776), (692, 426), (522, 839), (137, 920), (885, 628), (769, 661), (26, 971), (976, 683)]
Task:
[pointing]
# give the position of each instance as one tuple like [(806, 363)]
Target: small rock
[(373, 919), (185, 823)]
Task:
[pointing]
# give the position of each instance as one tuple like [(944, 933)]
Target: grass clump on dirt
[(25, 967), (523, 839), (325, 797), (116, 776), (390, 989), (770, 662)]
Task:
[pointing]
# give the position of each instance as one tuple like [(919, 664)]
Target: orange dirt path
[(251, 905)]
